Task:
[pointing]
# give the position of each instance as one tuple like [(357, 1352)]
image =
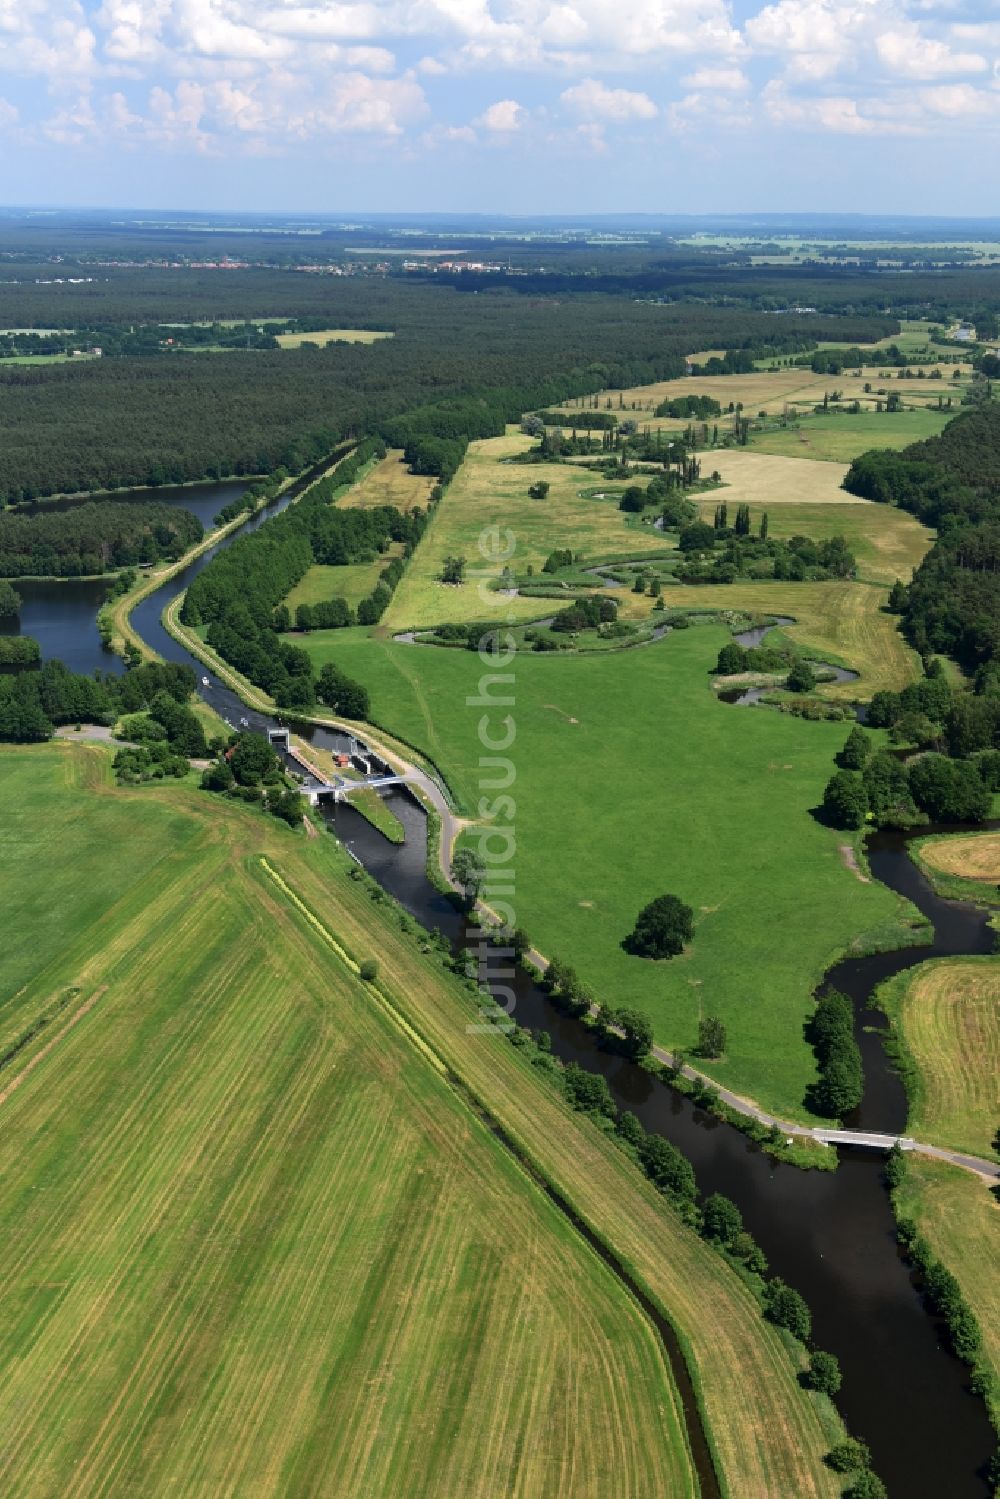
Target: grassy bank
[(966, 867)]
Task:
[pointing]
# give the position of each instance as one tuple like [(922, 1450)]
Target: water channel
[(830, 1234)]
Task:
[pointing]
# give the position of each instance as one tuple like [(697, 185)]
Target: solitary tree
[(539, 490), (786, 1308), (848, 1455), (711, 1037), (661, 929), (453, 570)]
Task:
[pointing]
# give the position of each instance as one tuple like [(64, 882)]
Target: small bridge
[(865, 1139)]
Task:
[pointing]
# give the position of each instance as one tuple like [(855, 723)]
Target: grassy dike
[(274, 927)]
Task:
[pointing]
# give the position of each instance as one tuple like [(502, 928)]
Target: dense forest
[(32, 703), (951, 481), (96, 537), (111, 422)]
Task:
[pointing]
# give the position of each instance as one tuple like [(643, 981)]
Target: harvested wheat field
[(388, 483), (948, 1013), (331, 335), (764, 479), (972, 857)]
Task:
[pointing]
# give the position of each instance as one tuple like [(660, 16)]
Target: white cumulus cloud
[(594, 101), (505, 115)]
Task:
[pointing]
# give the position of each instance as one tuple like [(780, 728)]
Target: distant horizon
[(652, 218)]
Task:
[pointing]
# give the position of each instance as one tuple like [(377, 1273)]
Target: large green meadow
[(632, 780)]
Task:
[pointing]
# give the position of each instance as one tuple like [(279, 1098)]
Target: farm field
[(335, 335), (632, 780), (843, 622), (388, 483), (840, 437), (888, 542), (960, 1219), (300, 1263), (765, 480), (486, 493), (972, 857), (796, 388), (948, 1016)]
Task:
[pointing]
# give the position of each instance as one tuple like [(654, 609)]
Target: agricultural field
[(960, 1219), (947, 1014), (967, 865), (760, 479), (839, 437), (489, 492), (632, 779), (326, 1274), (255, 1244), (389, 483), (793, 390), (331, 335), (888, 543)]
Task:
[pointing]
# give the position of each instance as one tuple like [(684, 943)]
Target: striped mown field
[(257, 1245), (960, 1218), (948, 1013), (254, 1244)]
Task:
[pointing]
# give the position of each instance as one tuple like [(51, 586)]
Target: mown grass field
[(948, 1016), (489, 493), (887, 542), (761, 479), (632, 781), (839, 438), (960, 1218), (845, 622), (353, 582), (254, 1242), (327, 335), (388, 483)]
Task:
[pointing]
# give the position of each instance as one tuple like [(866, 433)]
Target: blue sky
[(507, 105)]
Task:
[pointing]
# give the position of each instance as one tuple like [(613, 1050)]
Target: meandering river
[(830, 1234)]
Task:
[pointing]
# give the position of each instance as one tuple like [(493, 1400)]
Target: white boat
[(205, 682)]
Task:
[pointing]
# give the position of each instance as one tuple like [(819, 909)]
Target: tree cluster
[(840, 1084), (95, 537)]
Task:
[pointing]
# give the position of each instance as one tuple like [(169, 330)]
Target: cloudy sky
[(515, 105)]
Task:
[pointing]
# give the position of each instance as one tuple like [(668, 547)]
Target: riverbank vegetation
[(189, 1006)]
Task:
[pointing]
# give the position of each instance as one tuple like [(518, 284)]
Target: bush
[(661, 929), (722, 1221), (667, 1168), (588, 1091), (824, 1373), (711, 1037), (847, 1455), (368, 971), (785, 1308), (801, 677)]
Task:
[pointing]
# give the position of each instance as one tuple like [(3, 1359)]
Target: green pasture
[(631, 780)]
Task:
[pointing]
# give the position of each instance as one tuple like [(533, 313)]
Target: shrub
[(369, 970), (824, 1373), (588, 1091), (667, 1168), (711, 1037), (848, 1455), (785, 1308), (722, 1221)]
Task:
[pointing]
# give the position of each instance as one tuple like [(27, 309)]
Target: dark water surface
[(830, 1234)]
